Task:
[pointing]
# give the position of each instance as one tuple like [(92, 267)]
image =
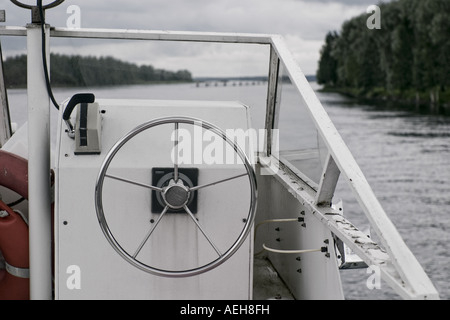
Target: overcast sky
[(303, 23)]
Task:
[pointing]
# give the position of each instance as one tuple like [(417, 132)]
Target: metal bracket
[(18, 272)]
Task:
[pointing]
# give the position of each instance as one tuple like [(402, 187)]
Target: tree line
[(407, 59), (80, 71)]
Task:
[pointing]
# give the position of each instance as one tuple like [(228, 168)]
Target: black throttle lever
[(73, 102)]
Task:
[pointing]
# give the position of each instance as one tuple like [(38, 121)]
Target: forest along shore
[(84, 71), (405, 61)]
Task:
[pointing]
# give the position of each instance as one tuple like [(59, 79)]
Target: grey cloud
[(304, 22)]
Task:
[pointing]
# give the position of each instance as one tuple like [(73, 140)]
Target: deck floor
[(267, 285)]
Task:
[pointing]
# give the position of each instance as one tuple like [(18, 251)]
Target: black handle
[(77, 99)]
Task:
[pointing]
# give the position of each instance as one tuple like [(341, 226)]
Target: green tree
[(83, 71), (410, 51), (327, 72)]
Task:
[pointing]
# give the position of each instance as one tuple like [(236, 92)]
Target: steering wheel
[(38, 10), (176, 195), (47, 6)]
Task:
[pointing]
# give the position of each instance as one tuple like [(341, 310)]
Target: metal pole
[(5, 120), (39, 168)]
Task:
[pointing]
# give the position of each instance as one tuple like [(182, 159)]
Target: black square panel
[(162, 176)]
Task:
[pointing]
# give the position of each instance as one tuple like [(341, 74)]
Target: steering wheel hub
[(176, 194)]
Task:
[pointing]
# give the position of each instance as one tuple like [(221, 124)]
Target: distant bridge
[(228, 82)]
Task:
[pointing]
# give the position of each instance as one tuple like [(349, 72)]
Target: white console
[(116, 238)]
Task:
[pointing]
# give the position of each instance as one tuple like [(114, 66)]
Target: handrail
[(13, 31), (161, 35)]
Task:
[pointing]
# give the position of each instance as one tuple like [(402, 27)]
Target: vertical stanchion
[(5, 120), (39, 168)]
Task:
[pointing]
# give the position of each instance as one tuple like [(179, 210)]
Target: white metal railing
[(342, 162), (408, 277)]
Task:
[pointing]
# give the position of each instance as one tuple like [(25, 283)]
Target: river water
[(404, 154)]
